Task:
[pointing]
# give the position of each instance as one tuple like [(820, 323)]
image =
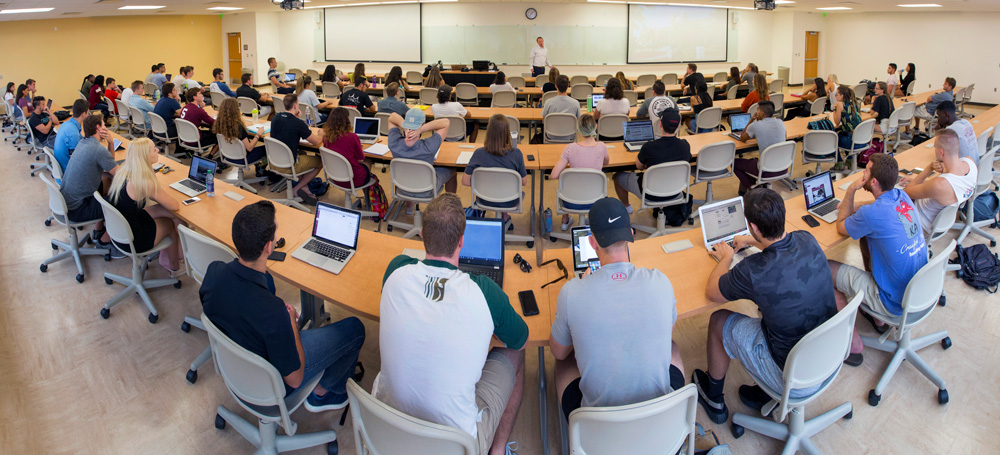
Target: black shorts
[(573, 398), (88, 210)]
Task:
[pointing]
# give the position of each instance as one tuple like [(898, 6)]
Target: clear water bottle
[(547, 217), (156, 95), (255, 114), (210, 184), (590, 103)]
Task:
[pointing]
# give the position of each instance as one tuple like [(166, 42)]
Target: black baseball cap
[(609, 222), (670, 118)]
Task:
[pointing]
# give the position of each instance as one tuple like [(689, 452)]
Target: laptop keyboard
[(367, 137), (826, 207), (635, 144), (494, 274), (325, 249), (193, 185)]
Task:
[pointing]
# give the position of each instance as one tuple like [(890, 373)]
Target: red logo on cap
[(619, 276)]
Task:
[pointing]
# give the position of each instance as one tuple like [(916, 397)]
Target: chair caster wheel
[(48, 222), (90, 240), (153, 318), (107, 281), (873, 398), (388, 228), (185, 327), (942, 396), (107, 257), (737, 431), (530, 244), (690, 221), (177, 285), (332, 448), (54, 246), (105, 313), (993, 243), (220, 423), (959, 273), (31, 174), (79, 278), (946, 343), (192, 376), (44, 268), (849, 415), (942, 301)]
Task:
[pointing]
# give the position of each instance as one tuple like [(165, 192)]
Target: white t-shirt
[(449, 108), (539, 56), (126, 94), (962, 185), (893, 80), (178, 81), (9, 98), (191, 83), (309, 97), (968, 144), (505, 86), (609, 106)]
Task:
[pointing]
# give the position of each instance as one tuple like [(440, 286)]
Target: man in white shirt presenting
[(539, 58)]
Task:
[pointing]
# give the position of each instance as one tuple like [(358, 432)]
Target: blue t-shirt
[(224, 88), (167, 108), (895, 241), (159, 80), (66, 140)]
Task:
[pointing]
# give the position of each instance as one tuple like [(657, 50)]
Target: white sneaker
[(628, 208), (565, 226)]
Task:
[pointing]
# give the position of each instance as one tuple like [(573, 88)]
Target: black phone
[(276, 256), (810, 220), (905, 171), (529, 307), (531, 157)]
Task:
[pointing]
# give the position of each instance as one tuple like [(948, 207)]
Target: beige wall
[(59, 53)]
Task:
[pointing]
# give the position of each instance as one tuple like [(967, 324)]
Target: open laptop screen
[(597, 98), (638, 131), (366, 125), (483, 243), (199, 169), (817, 189), (739, 122), (289, 77), (337, 225), (723, 221)]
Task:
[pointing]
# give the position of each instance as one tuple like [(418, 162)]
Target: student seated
[(289, 128), (846, 117), (169, 107), (562, 103), (954, 185), (90, 169), (909, 75), (405, 142), (160, 77), (69, 133), (395, 75), (434, 79), (733, 80), (219, 84), (194, 112), (768, 131), (691, 79), (892, 245), (790, 283), (615, 357), (96, 99), (229, 124), (699, 102), (892, 82), (749, 75), (112, 93), (391, 103), (262, 99), (665, 149), (653, 107), (139, 102), (497, 151), (442, 369), (626, 84), (339, 136), (585, 153), (968, 143), (882, 107), (500, 83), (757, 94), (43, 123), (179, 78), (551, 84), (88, 83), (330, 75), (358, 98), (818, 89), (926, 111), (277, 79), (189, 82), (306, 95), (445, 106), (614, 101), (239, 298)]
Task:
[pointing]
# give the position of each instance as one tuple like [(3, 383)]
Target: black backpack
[(980, 267)]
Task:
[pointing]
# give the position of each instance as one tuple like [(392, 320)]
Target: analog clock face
[(531, 14)]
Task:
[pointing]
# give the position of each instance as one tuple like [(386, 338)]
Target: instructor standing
[(539, 58)]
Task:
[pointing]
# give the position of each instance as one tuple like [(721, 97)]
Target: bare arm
[(316, 138), (937, 189), (724, 253), (439, 127), (466, 179), (164, 199), (847, 205), (395, 121), (559, 351), (560, 165)]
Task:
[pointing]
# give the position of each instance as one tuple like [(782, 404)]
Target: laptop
[(334, 238), (637, 133), (289, 77), (723, 220), (820, 201), (367, 129), (195, 183), (597, 97), (482, 252), (738, 123), (169, 76), (481, 65)]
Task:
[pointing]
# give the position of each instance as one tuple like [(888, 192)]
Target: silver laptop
[(637, 133), (723, 220), (334, 238), (367, 129), (738, 123), (195, 183), (820, 201), (482, 250)]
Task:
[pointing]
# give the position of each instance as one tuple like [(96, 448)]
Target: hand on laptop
[(742, 242), (722, 251)]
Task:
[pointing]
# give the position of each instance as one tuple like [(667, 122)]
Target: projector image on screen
[(289, 5), (673, 34), (767, 5)]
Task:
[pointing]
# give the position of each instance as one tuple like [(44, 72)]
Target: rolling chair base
[(265, 438), (136, 284), (412, 229), (192, 374), (797, 431), (73, 248), (906, 349), (661, 226)]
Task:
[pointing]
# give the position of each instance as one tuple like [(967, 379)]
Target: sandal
[(878, 328)]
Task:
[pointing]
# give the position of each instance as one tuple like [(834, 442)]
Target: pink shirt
[(591, 157)]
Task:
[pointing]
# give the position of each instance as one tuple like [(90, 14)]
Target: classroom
[(604, 209)]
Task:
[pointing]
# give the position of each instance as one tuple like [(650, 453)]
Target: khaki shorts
[(305, 163), (852, 280), (492, 392)]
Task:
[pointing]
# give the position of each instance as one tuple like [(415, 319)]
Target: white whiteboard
[(511, 44), (673, 34), (382, 33)]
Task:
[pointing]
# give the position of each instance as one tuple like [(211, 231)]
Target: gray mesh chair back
[(819, 146), (612, 125), (580, 186), (817, 106), (73, 247), (715, 161), (383, 125), (941, 224), (906, 112), (338, 169), (496, 185), (646, 80), (669, 79), (721, 76), (313, 74), (517, 82), (412, 177), (711, 91), (504, 98), (352, 113), (983, 139), (158, 126), (909, 88), (752, 110), (515, 128), (150, 88), (413, 77), (779, 104), (648, 93), (456, 128), (556, 125), (602, 79), (547, 96), (331, 89), (666, 180), (776, 85), (862, 139), (310, 113), (660, 425), (279, 105), (581, 91), (247, 105), (632, 96), (467, 94), (53, 167), (541, 80), (281, 161), (428, 95), (731, 93), (381, 430), (123, 114), (579, 80)]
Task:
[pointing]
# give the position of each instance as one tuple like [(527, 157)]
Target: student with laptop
[(586, 153), (619, 356), (665, 149), (790, 284), (339, 137), (308, 96), (435, 329), (132, 188), (819, 197), (653, 107), (90, 169), (768, 131), (637, 134), (289, 128), (892, 244), (239, 298), (405, 142), (562, 103), (69, 133), (219, 84), (497, 152), (274, 76), (195, 183), (954, 185), (482, 250)]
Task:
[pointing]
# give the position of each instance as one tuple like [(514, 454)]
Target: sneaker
[(854, 360), (564, 226), (628, 208), (307, 199), (716, 410), (754, 397), (329, 402), (115, 252)]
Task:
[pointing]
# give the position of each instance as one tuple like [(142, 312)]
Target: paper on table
[(263, 127), (463, 158), (467, 146), (377, 149)]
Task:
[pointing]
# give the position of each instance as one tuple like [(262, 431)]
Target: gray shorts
[(492, 392), (443, 175), (630, 181), (921, 112), (852, 280), (743, 338)]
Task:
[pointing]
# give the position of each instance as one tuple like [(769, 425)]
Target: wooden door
[(235, 58), (812, 55)]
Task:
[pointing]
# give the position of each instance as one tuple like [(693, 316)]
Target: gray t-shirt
[(392, 104), (563, 105), (748, 78), (89, 162), (653, 107), (936, 99), (619, 321), (768, 132)]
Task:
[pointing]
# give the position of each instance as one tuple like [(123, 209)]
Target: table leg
[(532, 216), (539, 249), (543, 422), (312, 310)]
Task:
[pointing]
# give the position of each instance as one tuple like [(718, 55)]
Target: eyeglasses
[(565, 273), (525, 267)]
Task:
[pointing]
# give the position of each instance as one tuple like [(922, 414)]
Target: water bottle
[(590, 103), (156, 95), (547, 216), (210, 184), (255, 114)]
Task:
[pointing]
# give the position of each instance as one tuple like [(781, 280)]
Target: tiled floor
[(72, 382)]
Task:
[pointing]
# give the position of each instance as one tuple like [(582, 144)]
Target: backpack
[(918, 139), (677, 214), (377, 200), (980, 267), (823, 124), (987, 207), (877, 147)]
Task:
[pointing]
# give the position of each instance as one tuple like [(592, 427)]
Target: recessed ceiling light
[(26, 10), (834, 8), (921, 5), (224, 8), (783, 2), (705, 6), (142, 7)]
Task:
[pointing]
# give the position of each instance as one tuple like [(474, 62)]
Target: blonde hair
[(587, 126), (434, 79), (760, 86), (832, 79), (137, 171)]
